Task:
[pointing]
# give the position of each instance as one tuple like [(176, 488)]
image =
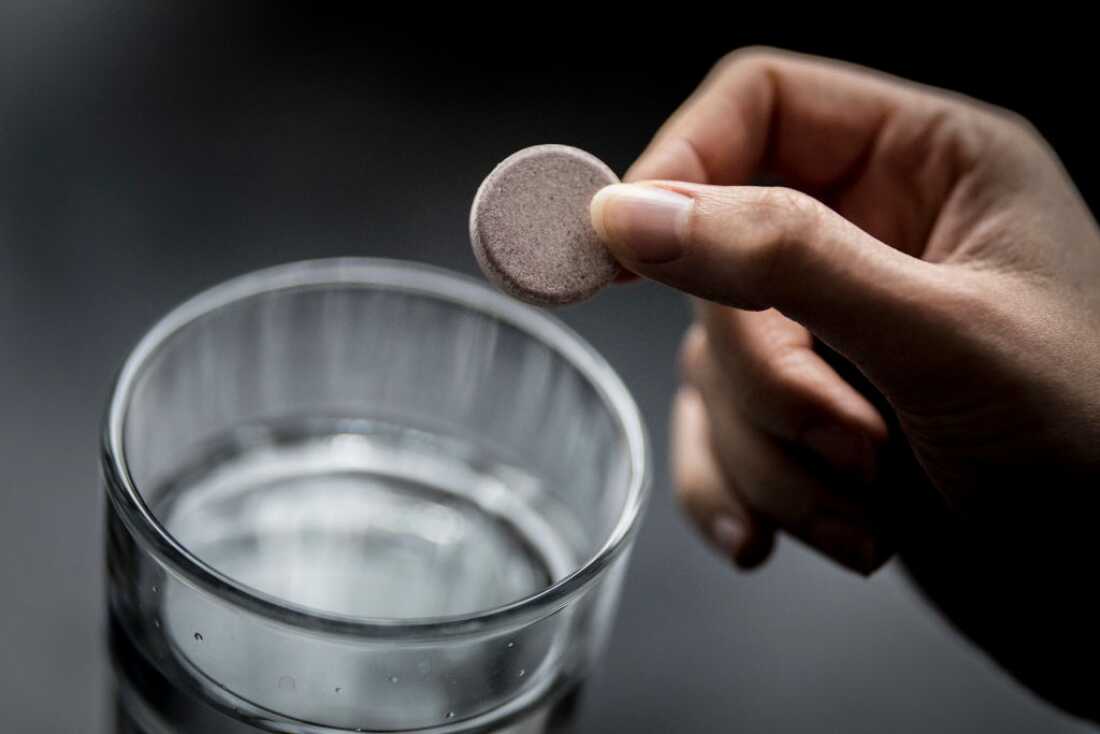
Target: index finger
[(812, 121)]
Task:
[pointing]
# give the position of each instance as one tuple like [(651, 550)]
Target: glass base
[(146, 702)]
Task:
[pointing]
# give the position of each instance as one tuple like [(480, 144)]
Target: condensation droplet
[(522, 672), (511, 643), (156, 588), (156, 623), (198, 637), (450, 714), (338, 689), (286, 683), (394, 679)]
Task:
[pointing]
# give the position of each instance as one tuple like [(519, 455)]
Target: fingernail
[(729, 534), (845, 450), (645, 224)]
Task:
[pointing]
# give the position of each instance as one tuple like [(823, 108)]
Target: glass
[(362, 495)]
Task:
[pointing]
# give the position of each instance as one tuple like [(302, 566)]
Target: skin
[(897, 353)]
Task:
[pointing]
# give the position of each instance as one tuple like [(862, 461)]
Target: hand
[(901, 351)]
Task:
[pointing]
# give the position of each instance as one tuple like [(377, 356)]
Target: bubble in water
[(394, 679), (286, 683), (522, 672), (198, 637), (511, 643)]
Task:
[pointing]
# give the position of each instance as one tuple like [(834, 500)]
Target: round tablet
[(531, 230)]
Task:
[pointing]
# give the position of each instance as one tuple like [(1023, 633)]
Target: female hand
[(938, 247)]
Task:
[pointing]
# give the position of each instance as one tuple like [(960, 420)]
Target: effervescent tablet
[(530, 226)]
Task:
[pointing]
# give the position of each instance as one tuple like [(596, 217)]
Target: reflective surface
[(367, 520)]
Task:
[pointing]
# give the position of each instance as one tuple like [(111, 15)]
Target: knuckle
[(785, 220), (750, 57), (1017, 123), (1016, 131), (795, 207), (941, 126)]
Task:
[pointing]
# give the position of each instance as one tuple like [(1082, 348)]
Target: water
[(365, 520), (391, 523)]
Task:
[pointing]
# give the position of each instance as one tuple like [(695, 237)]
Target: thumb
[(762, 247)]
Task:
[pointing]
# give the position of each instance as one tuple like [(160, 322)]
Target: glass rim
[(386, 274)]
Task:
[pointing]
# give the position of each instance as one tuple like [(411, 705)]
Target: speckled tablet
[(530, 227)]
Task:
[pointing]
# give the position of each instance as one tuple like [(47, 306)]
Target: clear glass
[(363, 495)]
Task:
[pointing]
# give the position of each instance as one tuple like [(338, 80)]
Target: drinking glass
[(363, 495)]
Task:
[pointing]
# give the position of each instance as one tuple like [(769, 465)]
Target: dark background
[(149, 150)]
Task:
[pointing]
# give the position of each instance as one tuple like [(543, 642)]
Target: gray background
[(146, 155)]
